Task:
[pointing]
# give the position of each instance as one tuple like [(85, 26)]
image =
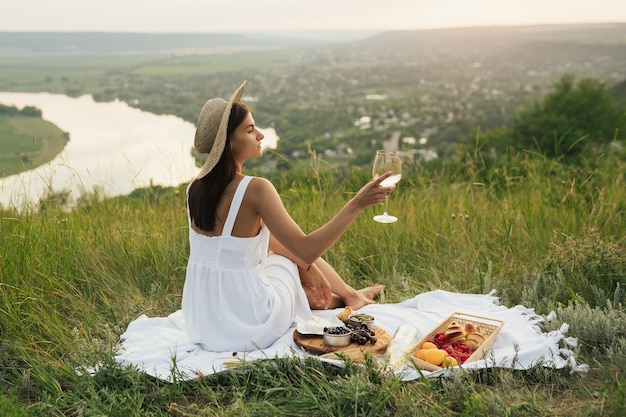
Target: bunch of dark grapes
[(362, 334)]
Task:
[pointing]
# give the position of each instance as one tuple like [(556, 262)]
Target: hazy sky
[(248, 15)]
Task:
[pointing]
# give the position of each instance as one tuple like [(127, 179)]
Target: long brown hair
[(205, 193)]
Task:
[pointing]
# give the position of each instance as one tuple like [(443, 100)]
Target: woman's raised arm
[(309, 247)]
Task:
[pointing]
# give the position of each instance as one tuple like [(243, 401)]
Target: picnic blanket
[(159, 347)]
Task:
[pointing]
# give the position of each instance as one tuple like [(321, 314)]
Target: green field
[(27, 142)]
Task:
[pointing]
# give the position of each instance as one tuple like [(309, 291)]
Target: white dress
[(236, 297)]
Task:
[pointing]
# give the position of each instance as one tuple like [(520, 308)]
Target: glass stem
[(386, 201)]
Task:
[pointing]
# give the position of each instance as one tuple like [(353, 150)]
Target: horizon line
[(371, 30)]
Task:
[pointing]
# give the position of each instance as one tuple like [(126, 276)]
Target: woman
[(241, 293)]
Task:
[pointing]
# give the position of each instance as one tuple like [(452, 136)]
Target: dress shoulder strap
[(187, 203), (235, 205)]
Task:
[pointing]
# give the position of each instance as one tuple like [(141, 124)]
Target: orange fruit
[(449, 361), (435, 356), (421, 354), (429, 345)]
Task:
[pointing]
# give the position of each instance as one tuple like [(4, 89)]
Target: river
[(113, 148)]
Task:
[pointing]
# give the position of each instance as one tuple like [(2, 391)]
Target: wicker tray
[(490, 328)]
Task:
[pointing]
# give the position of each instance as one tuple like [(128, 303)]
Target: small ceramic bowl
[(337, 336), (359, 318)]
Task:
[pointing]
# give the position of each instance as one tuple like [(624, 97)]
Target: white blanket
[(159, 347)]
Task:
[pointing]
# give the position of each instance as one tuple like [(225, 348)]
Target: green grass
[(101, 74), (27, 142), (550, 237)]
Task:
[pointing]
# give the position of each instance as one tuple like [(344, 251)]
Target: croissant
[(345, 314), (455, 332), (474, 340), (471, 328)]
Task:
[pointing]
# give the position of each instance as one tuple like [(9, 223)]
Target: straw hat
[(212, 128)]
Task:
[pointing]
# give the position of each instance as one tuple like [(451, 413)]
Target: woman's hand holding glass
[(373, 193)]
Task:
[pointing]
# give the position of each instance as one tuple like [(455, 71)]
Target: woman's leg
[(343, 294), (317, 279)]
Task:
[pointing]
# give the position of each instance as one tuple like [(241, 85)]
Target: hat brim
[(220, 140)]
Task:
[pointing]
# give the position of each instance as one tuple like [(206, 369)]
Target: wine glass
[(387, 161)]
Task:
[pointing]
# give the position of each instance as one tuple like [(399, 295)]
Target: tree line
[(27, 111), (576, 116)]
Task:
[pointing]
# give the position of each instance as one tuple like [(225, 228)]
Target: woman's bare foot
[(364, 296), (373, 291)]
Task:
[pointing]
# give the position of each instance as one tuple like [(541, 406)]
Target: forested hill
[(453, 40), (102, 42), (464, 41)]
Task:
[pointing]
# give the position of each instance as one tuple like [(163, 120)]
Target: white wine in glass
[(387, 161)]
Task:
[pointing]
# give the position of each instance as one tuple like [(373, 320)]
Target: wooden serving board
[(315, 344)]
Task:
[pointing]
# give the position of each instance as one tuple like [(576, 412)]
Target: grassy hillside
[(548, 236)]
